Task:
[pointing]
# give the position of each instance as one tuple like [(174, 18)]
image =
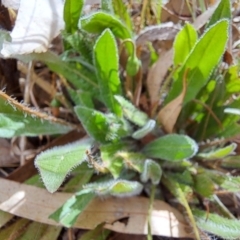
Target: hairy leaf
[(203, 59), (94, 122), (228, 182), (110, 158), (121, 11), (219, 153), (71, 14), (19, 120), (171, 147), (67, 214), (107, 6), (97, 22), (106, 62), (132, 113), (203, 184), (222, 11), (217, 225), (116, 188), (132, 160), (146, 129), (152, 171), (54, 164), (184, 42)]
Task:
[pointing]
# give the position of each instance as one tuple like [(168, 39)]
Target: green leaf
[(19, 120), (80, 98), (67, 70), (94, 122), (98, 233), (203, 184), (110, 158), (219, 153), (231, 162), (122, 12), (132, 113), (181, 192), (222, 11), (232, 79), (106, 62), (82, 42), (228, 182), (171, 147), (203, 59), (184, 177), (54, 164), (71, 14), (145, 130), (151, 170), (102, 127), (184, 42), (217, 225), (79, 176), (97, 22), (106, 5), (116, 188), (125, 188), (132, 160), (67, 214)]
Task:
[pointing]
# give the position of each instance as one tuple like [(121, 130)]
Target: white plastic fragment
[(14, 4), (37, 23)]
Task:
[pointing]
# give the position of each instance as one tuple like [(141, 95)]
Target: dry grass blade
[(37, 204), (168, 115)]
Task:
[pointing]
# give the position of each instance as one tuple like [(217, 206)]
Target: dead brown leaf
[(37, 204), (164, 31), (168, 115), (157, 73)]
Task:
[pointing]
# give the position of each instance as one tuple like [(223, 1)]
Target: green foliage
[(68, 213), (108, 76), (99, 21), (217, 225), (219, 153), (112, 161), (121, 11), (222, 11), (146, 129), (54, 164), (72, 12), (184, 43), (200, 68), (116, 188), (132, 113), (171, 147), (107, 6), (203, 184), (151, 170), (19, 120), (107, 87)]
